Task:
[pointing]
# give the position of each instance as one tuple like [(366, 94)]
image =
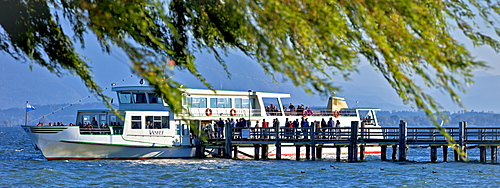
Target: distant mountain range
[(366, 89)]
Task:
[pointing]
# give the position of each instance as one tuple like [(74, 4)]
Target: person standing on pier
[(330, 128), (220, 128), (323, 127), (257, 130), (288, 129), (265, 124), (305, 128), (276, 125), (337, 130), (296, 128)]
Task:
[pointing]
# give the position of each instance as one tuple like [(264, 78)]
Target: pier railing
[(462, 136), (368, 134)]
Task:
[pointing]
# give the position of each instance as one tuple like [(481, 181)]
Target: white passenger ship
[(150, 130)]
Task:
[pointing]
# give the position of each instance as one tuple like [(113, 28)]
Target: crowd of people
[(272, 110), (293, 128), (84, 125), (53, 124)]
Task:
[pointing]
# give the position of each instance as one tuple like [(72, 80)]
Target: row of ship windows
[(191, 102), (151, 122), (200, 102), (138, 97)]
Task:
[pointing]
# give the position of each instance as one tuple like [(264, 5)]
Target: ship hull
[(62, 142)]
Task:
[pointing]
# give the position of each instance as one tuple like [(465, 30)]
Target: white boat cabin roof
[(190, 91)]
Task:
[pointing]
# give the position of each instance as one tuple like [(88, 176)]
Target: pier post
[(362, 152), (494, 154), (461, 139), (265, 151), (256, 154), (394, 152), (319, 152), (403, 150), (433, 154), (198, 142), (338, 152), (352, 155), (235, 152), (229, 137), (383, 152), (297, 152), (308, 152), (445, 153), (278, 151), (278, 143), (313, 141), (482, 154)]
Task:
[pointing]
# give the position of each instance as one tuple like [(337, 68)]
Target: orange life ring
[(208, 112), (304, 113), (336, 113), (232, 112)]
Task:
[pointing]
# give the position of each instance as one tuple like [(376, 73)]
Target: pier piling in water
[(403, 150), (338, 153), (352, 155), (297, 152), (383, 152), (394, 152), (433, 154), (494, 154), (257, 153)]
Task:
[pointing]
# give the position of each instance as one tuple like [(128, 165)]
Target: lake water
[(23, 166)]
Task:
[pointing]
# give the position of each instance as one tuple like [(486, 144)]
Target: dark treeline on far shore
[(67, 114)]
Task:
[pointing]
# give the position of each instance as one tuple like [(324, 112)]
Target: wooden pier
[(356, 139)]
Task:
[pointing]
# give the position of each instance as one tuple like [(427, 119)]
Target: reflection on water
[(24, 166)]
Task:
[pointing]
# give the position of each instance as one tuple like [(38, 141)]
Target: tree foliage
[(308, 41)]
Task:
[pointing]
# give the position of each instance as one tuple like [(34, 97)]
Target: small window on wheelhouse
[(139, 97), (125, 98), (153, 98), (136, 122)]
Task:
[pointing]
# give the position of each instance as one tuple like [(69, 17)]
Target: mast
[(26, 122)]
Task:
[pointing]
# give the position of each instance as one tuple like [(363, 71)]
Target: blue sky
[(109, 69)]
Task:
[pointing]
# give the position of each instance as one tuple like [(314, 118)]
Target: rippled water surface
[(23, 166)]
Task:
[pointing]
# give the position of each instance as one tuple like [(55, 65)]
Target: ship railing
[(321, 112), (224, 112)]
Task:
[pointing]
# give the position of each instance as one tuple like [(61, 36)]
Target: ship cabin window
[(157, 122), (272, 106), (115, 121), (125, 98), (136, 122), (243, 103), (139, 97), (220, 103), (102, 119), (86, 119), (153, 98), (196, 102)]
